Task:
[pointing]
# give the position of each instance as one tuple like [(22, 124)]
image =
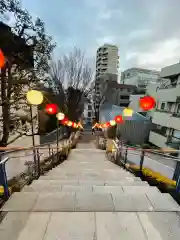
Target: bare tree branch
[(71, 79)]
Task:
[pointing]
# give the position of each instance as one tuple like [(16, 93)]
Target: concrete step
[(90, 188), (90, 202), (12, 225), (46, 183), (88, 177), (90, 225)]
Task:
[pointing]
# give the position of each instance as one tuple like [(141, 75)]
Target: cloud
[(146, 32), (164, 53)]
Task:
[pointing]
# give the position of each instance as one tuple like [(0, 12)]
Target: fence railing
[(155, 160), (29, 163)]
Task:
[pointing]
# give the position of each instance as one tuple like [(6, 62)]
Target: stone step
[(90, 202), (46, 183), (12, 225), (90, 225), (83, 177), (90, 189)]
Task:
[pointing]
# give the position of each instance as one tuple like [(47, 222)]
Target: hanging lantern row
[(127, 112), (111, 123), (52, 109), (35, 97)]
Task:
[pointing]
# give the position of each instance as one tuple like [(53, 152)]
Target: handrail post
[(3, 180), (176, 171), (178, 185), (57, 139), (49, 147), (38, 163), (125, 156), (142, 160)]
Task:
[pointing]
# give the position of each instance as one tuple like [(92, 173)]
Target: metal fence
[(52, 136), (27, 162), (157, 161)]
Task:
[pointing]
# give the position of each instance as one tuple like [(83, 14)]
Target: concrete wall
[(134, 103)]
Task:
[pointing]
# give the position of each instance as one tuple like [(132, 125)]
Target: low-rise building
[(88, 112), (115, 93), (166, 116)]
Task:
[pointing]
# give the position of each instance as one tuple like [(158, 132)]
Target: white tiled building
[(88, 113), (107, 62), (166, 117)]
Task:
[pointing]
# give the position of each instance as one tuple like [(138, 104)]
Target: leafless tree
[(71, 78)]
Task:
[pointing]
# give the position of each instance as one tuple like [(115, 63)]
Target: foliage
[(15, 77)]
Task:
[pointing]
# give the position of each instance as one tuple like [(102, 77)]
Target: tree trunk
[(6, 85)]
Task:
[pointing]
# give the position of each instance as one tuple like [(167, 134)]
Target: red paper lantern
[(147, 103), (64, 121), (51, 108), (108, 124), (2, 59), (73, 124), (118, 119)]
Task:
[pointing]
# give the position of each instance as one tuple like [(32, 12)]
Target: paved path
[(89, 198)]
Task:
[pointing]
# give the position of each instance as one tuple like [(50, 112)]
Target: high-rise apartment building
[(107, 62)]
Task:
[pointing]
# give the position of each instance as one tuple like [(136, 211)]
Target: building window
[(162, 106), (178, 109), (124, 97), (169, 106), (89, 107), (89, 114)]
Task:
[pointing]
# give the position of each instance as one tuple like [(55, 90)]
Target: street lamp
[(34, 98)]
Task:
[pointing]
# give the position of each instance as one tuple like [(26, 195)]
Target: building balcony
[(166, 119)]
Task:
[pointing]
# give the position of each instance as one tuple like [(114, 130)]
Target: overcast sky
[(147, 32)]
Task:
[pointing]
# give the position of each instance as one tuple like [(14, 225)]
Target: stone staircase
[(89, 197)]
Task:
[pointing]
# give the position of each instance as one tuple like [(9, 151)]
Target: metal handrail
[(158, 152), (16, 149), (4, 160), (176, 174), (3, 176)]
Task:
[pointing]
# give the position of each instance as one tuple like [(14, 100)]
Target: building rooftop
[(142, 70), (170, 71)]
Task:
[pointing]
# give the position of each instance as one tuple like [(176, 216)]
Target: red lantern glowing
[(147, 103), (74, 124), (108, 124), (51, 108), (64, 121), (2, 59), (118, 119)]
